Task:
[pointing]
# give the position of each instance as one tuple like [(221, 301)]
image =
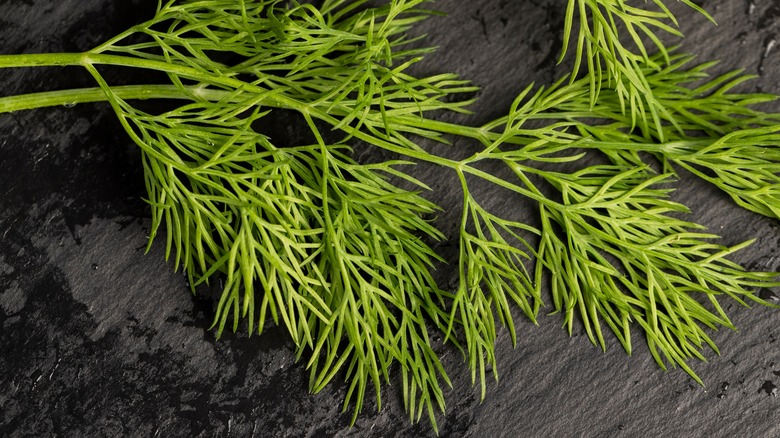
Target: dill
[(337, 251)]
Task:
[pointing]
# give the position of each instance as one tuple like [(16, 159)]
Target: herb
[(337, 251), (601, 45)]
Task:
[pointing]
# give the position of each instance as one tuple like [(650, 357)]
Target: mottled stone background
[(99, 339)]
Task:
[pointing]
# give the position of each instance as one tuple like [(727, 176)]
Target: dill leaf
[(339, 252)]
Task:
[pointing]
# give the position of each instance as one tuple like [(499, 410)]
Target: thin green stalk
[(29, 101)]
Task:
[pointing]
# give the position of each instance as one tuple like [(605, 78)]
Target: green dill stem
[(663, 148), (273, 100), (41, 60), (88, 59), (22, 102), (74, 96), (88, 95)]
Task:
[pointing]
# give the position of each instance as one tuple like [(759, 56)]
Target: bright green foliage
[(610, 56), (492, 277), (337, 251), (625, 258), (321, 244)]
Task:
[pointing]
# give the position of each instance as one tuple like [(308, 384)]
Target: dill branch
[(617, 62), (334, 250), (625, 259)]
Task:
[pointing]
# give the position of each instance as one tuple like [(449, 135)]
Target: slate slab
[(99, 339)]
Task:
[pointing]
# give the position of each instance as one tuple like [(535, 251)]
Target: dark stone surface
[(98, 339)]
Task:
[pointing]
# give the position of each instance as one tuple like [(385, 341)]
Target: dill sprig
[(338, 251), (626, 259), (618, 42)]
